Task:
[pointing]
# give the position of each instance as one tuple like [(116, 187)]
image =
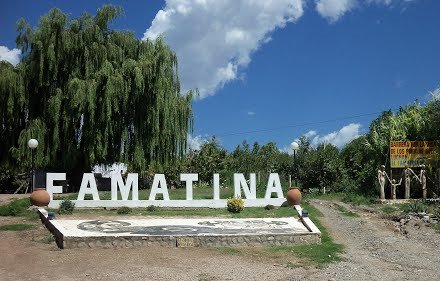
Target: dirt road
[(374, 251)]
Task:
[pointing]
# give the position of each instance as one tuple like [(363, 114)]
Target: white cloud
[(389, 2), (194, 143), (332, 10), (214, 40), (339, 138), (11, 56), (435, 94), (384, 2), (310, 134)]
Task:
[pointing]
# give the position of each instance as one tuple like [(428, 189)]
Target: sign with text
[(123, 187), (411, 153)]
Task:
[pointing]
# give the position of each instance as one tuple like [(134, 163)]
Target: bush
[(15, 208), (414, 207), (269, 207), (8, 210), (235, 205), (66, 207), (152, 208), (124, 210)]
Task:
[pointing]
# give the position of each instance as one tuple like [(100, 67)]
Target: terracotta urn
[(293, 196), (40, 197)]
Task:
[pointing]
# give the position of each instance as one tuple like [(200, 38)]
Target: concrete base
[(172, 232)]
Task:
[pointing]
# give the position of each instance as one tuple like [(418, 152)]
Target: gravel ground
[(375, 250)]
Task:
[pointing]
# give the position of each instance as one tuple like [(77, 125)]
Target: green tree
[(91, 95), (211, 158), (360, 167)]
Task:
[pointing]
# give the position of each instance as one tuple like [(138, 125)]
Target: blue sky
[(273, 71)]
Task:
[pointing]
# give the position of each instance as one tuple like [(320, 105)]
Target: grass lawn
[(316, 254), (16, 227)]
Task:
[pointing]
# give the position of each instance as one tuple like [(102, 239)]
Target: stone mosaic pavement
[(179, 227)]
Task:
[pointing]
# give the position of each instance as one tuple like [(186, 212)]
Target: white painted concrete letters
[(88, 186), (189, 179), (250, 192), (50, 188), (159, 179), (159, 186), (216, 183), (274, 185), (131, 183)]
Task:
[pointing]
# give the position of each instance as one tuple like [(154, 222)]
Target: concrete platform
[(177, 232)]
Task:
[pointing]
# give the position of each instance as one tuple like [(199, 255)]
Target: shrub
[(66, 207), (269, 207), (15, 208), (235, 204), (414, 207), (9, 210), (152, 208), (124, 210)]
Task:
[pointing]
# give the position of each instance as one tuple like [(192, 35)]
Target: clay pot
[(40, 197), (293, 196)]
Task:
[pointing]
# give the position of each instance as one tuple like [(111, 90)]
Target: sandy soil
[(374, 251)]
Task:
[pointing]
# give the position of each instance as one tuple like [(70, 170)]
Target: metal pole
[(295, 166), (33, 171)]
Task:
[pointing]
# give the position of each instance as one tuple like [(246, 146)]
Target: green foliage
[(17, 207), (358, 199), (91, 95), (414, 206), (152, 208), (320, 167), (123, 210), (16, 227), (317, 254), (235, 205), (388, 209), (269, 207), (66, 207), (208, 160), (9, 211), (361, 167)]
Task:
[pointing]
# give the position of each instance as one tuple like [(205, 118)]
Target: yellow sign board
[(411, 153)]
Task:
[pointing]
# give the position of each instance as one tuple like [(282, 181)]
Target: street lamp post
[(32, 144), (294, 146)]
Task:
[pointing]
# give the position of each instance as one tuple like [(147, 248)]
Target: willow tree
[(92, 95)]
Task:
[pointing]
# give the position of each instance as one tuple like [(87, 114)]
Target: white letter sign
[(273, 185), (240, 181), (189, 179), (50, 188), (88, 186), (132, 181), (159, 179)]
